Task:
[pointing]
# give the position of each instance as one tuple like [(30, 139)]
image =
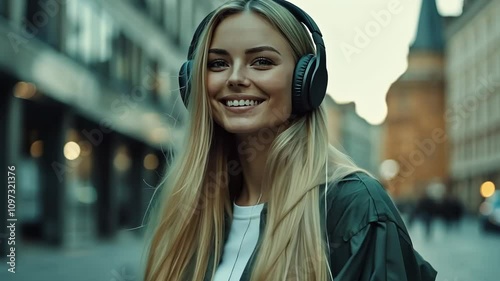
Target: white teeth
[(242, 103)]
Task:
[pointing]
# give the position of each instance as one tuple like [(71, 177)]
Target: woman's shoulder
[(358, 186), (357, 200)]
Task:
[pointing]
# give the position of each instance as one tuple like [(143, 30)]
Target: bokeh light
[(487, 189), (36, 149), (24, 90), (71, 150), (122, 160), (389, 169), (151, 161)]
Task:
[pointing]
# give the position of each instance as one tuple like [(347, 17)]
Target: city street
[(465, 254)]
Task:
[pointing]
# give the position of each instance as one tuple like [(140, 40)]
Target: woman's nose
[(238, 77)]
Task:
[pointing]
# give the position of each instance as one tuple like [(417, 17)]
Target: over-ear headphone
[(310, 74)]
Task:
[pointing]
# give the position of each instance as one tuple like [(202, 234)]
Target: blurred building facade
[(353, 135), (415, 130), (473, 99), (89, 110)]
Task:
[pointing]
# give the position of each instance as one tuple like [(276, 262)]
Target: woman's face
[(249, 74)]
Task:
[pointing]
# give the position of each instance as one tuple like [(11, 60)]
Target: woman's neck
[(252, 152)]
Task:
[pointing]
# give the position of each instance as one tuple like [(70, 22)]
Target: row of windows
[(484, 148), (94, 39), (171, 15), (85, 31), (475, 47), (478, 36), (472, 78), (474, 114), (465, 77)]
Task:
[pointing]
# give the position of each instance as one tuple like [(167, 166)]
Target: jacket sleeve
[(368, 238), (380, 251)]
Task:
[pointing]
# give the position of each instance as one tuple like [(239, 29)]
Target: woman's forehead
[(246, 28)]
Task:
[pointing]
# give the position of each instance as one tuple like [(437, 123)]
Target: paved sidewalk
[(462, 254), (115, 260)]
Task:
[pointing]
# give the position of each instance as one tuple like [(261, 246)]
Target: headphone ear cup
[(184, 84), (301, 82)]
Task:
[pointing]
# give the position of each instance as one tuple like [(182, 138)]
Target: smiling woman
[(257, 192)]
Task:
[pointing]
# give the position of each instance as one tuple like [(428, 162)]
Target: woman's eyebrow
[(218, 52), (247, 51), (261, 49)]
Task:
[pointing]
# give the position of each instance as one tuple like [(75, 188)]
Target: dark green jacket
[(368, 239)]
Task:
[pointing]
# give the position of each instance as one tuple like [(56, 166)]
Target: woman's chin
[(242, 127), (243, 130), (263, 129)]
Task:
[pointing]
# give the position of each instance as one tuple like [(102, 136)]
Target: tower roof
[(430, 34)]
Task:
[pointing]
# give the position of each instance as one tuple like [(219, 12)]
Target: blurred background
[(89, 109)]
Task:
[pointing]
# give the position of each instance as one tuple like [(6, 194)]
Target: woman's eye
[(262, 62), (217, 64)]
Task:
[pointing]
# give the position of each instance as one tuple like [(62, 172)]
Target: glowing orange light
[(24, 90), (36, 149), (487, 189), (151, 161)]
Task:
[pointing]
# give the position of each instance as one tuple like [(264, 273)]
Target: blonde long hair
[(187, 222)]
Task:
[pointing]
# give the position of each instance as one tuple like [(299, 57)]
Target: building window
[(89, 33), (42, 21), (156, 9), (469, 77), (468, 151), (172, 18), (136, 64), (498, 142), (496, 61), (462, 150), (497, 102), (474, 148), (3, 8), (141, 4), (484, 146), (456, 152), (491, 141), (493, 108), (481, 111), (152, 80), (120, 62)]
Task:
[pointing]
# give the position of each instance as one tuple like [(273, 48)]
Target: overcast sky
[(367, 45)]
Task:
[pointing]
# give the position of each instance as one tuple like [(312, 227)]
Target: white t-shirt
[(243, 237)]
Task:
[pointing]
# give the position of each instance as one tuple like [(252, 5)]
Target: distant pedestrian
[(452, 211), (426, 210)]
